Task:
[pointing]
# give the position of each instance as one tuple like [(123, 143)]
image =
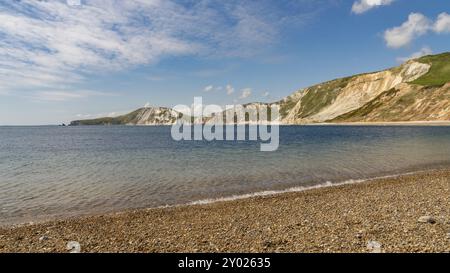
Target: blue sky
[(63, 60)]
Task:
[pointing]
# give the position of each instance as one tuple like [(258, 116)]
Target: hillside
[(418, 90), (142, 116)]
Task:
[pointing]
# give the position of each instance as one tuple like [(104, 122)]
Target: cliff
[(418, 90)]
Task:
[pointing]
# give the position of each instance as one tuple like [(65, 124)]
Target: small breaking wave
[(291, 190)]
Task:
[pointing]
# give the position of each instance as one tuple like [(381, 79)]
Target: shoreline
[(356, 123), (181, 228), (382, 123), (207, 201)]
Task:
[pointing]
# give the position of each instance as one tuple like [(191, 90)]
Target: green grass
[(121, 120), (287, 106), (439, 73)]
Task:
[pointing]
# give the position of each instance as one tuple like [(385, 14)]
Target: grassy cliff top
[(124, 119), (439, 73)]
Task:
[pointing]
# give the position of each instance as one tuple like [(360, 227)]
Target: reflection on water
[(64, 171)]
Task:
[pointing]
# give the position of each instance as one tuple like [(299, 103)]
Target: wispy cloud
[(230, 89), (208, 88), (46, 43), (64, 95), (362, 6), (246, 92), (417, 25), (50, 44)]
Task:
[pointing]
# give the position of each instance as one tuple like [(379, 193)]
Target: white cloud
[(64, 95), (265, 94), (230, 89), (55, 44), (50, 44), (246, 92), (147, 105), (416, 25), (208, 88), (422, 52), (73, 2), (362, 6), (442, 24)]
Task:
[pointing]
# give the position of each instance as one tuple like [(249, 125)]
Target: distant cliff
[(142, 116), (418, 90)]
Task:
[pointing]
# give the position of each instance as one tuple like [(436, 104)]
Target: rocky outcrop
[(155, 116)]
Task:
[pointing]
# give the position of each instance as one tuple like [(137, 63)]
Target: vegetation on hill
[(321, 96), (439, 73), (125, 119)]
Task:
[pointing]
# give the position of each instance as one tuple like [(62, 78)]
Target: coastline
[(356, 123), (338, 218), (384, 123)]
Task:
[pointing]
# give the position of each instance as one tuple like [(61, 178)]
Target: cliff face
[(330, 100), (418, 90), (404, 102)]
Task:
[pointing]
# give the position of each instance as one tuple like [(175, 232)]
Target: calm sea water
[(48, 172)]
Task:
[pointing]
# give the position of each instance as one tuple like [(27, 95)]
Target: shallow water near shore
[(49, 172)]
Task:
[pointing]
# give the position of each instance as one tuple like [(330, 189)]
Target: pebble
[(427, 220), (43, 238), (280, 249), (73, 247), (185, 228), (359, 235), (374, 247)]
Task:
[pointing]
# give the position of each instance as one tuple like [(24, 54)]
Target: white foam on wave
[(290, 190)]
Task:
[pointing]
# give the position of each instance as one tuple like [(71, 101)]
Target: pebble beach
[(409, 213)]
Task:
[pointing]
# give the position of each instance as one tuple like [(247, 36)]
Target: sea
[(53, 172)]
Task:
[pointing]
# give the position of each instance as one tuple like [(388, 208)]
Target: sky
[(63, 60)]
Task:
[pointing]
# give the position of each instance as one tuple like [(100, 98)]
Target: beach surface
[(409, 213)]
